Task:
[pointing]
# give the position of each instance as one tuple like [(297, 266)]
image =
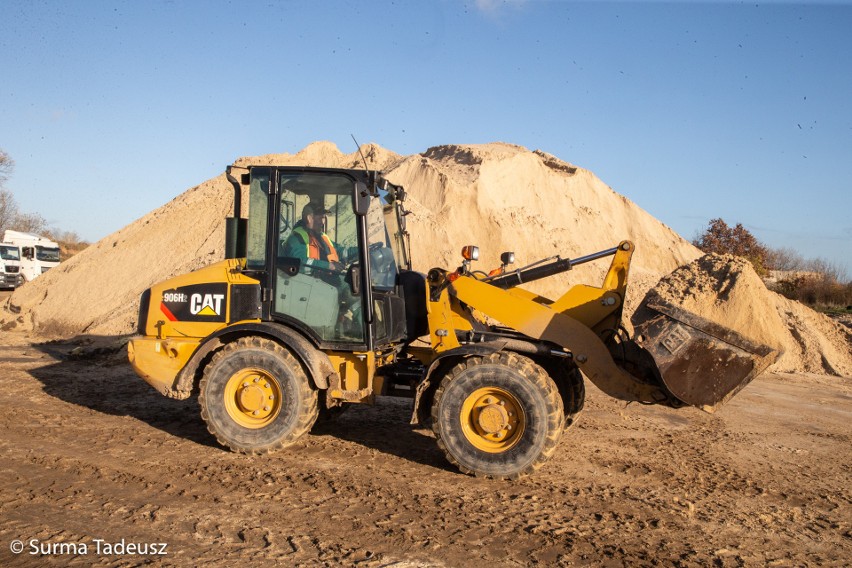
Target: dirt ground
[(93, 456)]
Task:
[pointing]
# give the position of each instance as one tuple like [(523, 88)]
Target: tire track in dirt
[(92, 452)]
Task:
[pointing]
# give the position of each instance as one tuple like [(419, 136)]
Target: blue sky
[(692, 110)]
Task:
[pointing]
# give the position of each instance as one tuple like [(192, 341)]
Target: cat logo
[(206, 304), (196, 302)]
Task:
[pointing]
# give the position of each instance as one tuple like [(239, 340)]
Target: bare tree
[(828, 271), (8, 207), (784, 258), (11, 216), (8, 210), (71, 238), (6, 167), (29, 223)]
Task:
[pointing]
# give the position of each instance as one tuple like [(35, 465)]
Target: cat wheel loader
[(274, 336)]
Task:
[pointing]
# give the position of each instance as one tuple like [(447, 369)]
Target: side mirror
[(362, 199)]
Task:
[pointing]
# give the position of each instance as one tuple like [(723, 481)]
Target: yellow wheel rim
[(492, 420), (253, 398)]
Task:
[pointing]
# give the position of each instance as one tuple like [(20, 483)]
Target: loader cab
[(328, 246)]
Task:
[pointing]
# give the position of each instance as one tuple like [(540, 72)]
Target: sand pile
[(326, 154), (726, 290), (497, 196), (503, 197), (97, 291)]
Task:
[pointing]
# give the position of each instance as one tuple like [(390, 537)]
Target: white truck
[(10, 266), (37, 254)]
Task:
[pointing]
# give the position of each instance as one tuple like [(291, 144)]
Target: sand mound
[(97, 291), (812, 342), (497, 196), (326, 154), (726, 290), (506, 198)]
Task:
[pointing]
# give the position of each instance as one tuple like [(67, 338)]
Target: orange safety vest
[(313, 245)]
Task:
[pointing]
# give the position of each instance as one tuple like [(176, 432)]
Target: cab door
[(313, 265)]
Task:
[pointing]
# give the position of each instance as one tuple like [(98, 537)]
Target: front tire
[(255, 397), (497, 416), (569, 381)]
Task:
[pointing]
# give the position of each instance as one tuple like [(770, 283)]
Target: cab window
[(9, 253), (258, 219), (316, 246), (47, 254), (383, 267)]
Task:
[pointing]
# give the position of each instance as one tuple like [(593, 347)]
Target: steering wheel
[(329, 270)]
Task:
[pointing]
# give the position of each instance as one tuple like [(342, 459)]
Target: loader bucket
[(700, 363)]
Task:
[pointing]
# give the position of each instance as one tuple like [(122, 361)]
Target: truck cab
[(10, 266), (37, 254)]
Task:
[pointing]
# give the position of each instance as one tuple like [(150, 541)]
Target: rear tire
[(255, 397), (497, 416)]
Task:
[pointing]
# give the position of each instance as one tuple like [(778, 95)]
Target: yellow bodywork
[(355, 372), (579, 321), (445, 317), (225, 272), (596, 308), (159, 361), (168, 344)]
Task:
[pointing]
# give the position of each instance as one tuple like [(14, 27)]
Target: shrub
[(719, 238), (819, 287)]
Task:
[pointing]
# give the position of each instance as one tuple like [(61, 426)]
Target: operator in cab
[(309, 243)]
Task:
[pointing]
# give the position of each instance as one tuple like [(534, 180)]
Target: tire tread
[(307, 417), (531, 371)]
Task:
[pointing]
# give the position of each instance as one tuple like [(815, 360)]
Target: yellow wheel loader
[(317, 307)]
